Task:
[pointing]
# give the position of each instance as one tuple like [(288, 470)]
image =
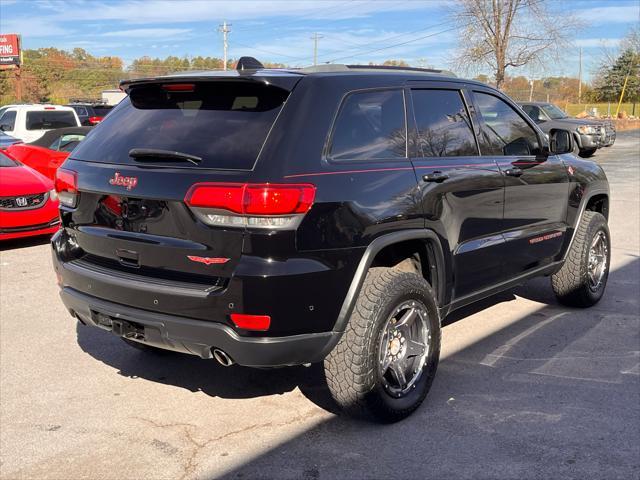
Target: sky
[(354, 31)]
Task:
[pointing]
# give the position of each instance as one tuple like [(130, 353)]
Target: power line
[(455, 27), (270, 52)]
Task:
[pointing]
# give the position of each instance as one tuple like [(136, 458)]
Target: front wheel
[(583, 277), (385, 362)]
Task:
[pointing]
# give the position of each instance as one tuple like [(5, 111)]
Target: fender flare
[(367, 259), (583, 205)]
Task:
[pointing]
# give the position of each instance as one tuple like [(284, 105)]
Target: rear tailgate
[(130, 217)]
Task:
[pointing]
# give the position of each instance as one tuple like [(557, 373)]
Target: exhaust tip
[(222, 358)]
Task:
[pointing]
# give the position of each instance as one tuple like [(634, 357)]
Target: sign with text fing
[(9, 49)]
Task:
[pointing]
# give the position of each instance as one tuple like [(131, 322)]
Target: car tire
[(394, 311), (586, 152), (583, 278)]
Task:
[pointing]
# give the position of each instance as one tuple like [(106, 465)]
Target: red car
[(28, 202), (48, 152)]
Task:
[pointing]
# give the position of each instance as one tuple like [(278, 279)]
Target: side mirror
[(560, 141)]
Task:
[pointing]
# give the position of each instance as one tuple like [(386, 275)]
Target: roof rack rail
[(400, 68), (338, 67)]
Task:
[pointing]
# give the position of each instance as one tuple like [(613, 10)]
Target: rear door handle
[(514, 172), (437, 177)]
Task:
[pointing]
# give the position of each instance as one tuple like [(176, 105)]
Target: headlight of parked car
[(587, 129), (53, 195)]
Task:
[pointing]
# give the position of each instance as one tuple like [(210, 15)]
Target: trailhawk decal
[(122, 181), (208, 260), (543, 238)]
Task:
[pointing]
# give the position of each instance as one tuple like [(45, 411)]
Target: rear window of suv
[(223, 123), (49, 119)]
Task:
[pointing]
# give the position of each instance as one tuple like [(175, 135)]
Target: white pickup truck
[(29, 122)]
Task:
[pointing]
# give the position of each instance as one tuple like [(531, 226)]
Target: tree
[(501, 34), (616, 67)]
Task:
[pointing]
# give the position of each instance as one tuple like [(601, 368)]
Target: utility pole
[(315, 39), (224, 28), (531, 90), (580, 78)]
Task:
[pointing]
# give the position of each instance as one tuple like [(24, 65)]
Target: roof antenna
[(248, 63)]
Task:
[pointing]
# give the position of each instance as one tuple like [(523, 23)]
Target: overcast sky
[(355, 31)]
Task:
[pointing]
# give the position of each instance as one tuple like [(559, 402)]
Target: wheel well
[(600, 204), (415, 256)]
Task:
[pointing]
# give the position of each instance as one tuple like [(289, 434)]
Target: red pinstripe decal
[(422, 167), (347, 172)]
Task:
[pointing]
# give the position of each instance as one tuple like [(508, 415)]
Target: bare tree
[(508, 33)]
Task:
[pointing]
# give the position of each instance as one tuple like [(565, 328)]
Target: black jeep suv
[(335, 214)]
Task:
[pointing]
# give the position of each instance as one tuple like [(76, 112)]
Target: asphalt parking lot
[(525, 389)]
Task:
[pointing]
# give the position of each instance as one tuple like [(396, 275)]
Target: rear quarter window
[(224, 123), (370, 125), (49, 119)]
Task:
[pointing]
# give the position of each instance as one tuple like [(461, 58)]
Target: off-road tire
[(571, 282), (586, 152), (351, 369)]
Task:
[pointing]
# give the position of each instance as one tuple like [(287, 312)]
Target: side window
[(504, 131), (370, 125), (8, 121), (68, 142), (534, 112), (82, 111), (444, 127)]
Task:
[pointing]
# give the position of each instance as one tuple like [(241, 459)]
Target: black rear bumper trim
[(198, 337)]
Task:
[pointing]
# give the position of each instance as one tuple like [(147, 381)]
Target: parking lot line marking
[(632, 371), (490, 359)]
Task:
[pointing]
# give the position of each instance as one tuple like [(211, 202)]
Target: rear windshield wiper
[(156, 154)]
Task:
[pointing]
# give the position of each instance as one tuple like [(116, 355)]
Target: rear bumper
[(196, 337)]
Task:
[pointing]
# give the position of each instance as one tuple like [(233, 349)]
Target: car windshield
[(553, 112), (7, 162)]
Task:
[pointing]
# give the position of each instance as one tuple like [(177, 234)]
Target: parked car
[(28, 202), (30, 121), (6, 140), (85, 113), (334, 214), (102, 109), (48, 152), (590, 134)]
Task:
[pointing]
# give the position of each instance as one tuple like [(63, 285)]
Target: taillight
[(279, 206), (251, 322), (95, 120), (67, 186)]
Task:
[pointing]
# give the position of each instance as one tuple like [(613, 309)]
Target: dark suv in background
[(333, 214), (90, 113), (589, 133)]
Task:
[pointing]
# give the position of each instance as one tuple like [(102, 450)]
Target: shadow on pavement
[(26, 242), (553, 394)]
